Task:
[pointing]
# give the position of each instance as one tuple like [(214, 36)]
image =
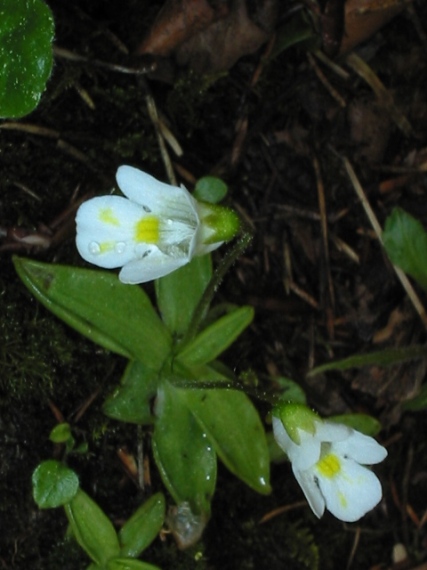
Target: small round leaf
[(26, 35), (54, 484), (210, 189), (60, 433)]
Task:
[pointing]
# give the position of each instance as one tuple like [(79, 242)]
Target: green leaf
[(60, 433), (26, 35), (92, 528), (385, 357), (129, 564), (360, 422), (215, 338), (405, 241), (179, 292), (183, 454), (210, 189), (116, 316), (131, 401), (144, 525), (234, 428), (290, 391), (54, 484), (298, 30)]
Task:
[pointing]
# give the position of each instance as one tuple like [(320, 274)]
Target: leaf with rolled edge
[(233, 427), (26, 35), (183, 454), (116, 316), (131, 400), (215, 338), (386, 357), (405, 241), (179, 292), (92, 528), (144, 525), (54, 484), (129, 564)]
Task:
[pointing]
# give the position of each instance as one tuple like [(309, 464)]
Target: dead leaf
[(210, 37), (178, 21), (363, 18)]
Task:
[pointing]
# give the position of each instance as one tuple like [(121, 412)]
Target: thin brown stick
[(328, 301), (410, 291)]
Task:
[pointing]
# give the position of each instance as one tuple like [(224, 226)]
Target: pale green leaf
[(116, 316), (92, 528), (215, 338), (144, 525), (54, 484), (183, 453)]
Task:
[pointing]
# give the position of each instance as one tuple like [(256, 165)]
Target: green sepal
[(215, 338), (179, 292), (222, 223), (405, 241), (129, 564), (297, 417), (144, 525), (54, 484), (26, 35), (116, 316), (131, 400), (233, 427), (184, 455), (92, 528)]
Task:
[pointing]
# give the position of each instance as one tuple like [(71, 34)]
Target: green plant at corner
[(26, 35), (56, 485), (173, 380), (405, 241)]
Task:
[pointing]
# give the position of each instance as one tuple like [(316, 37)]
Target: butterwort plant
[(56, 485), (329, 462), (174, 381)]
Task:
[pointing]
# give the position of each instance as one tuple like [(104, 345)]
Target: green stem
[(218, 275)]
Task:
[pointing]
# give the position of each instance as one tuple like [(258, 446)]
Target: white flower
[(155, 230), (328, 463)]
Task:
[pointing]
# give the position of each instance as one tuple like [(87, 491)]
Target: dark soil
[(313, 304)]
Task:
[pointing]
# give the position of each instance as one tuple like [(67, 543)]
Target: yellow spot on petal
[(107, 216), (342, 499), (329, 465), (147, 230), (106, 246)]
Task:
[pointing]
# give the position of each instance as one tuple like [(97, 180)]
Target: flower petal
[(352, 492), (302, 456), (163, 199), (361, 448), (311, 491), (331, 432), (105, 230), (153, 265), (283, 440)]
